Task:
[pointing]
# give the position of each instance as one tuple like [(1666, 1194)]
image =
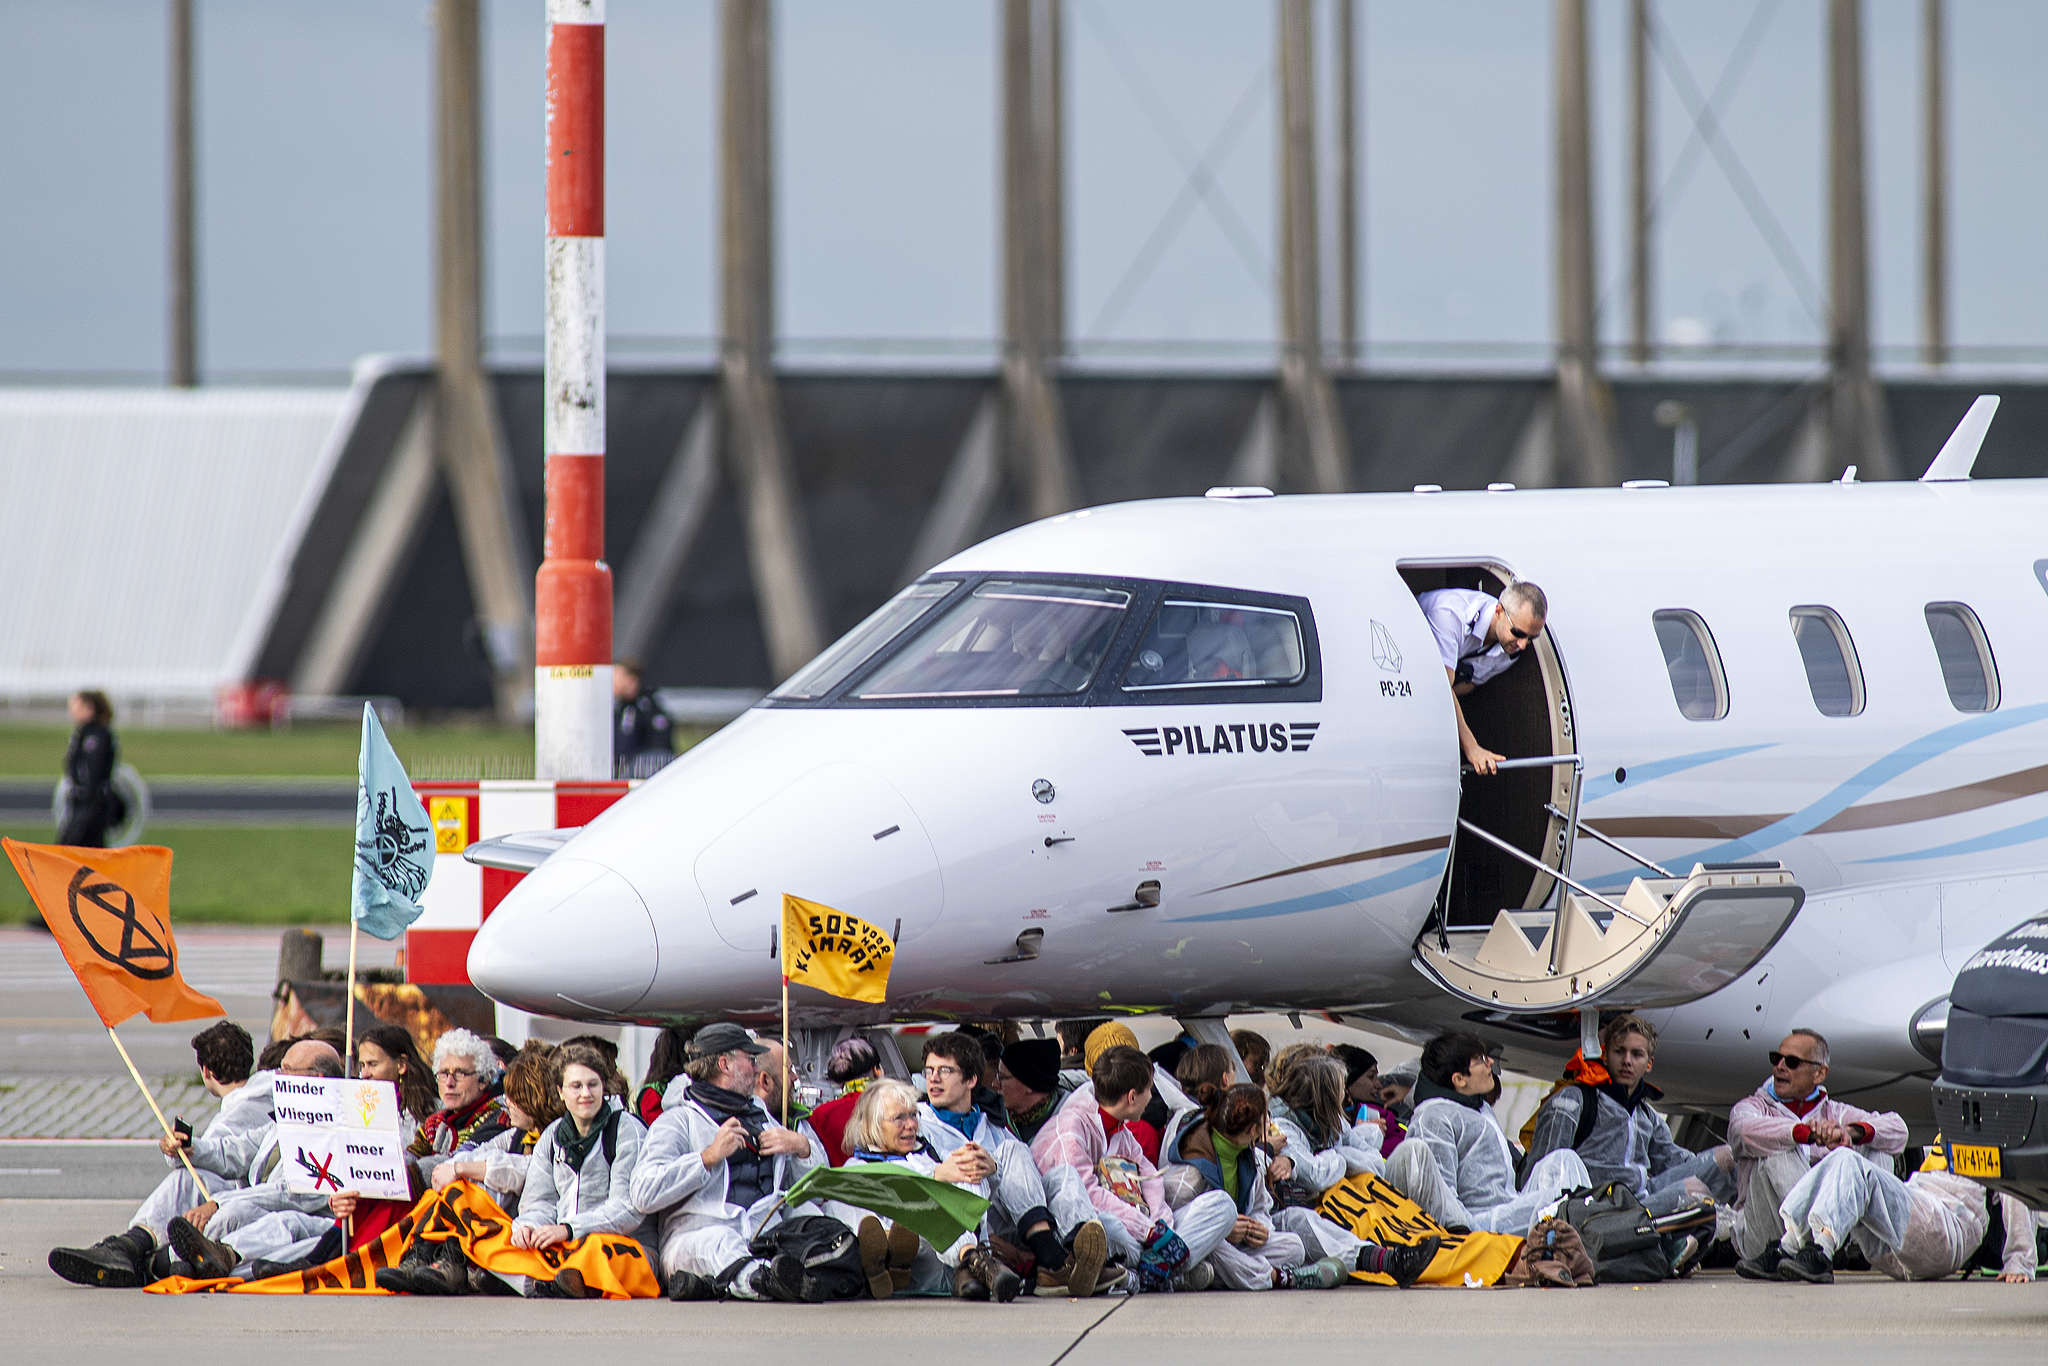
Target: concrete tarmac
[(1713, 1320)]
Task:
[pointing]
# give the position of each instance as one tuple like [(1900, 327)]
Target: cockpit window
[(1210, 644), (1008, 638), (859, 645)]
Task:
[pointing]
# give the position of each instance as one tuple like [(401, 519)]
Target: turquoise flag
[(394, 839)]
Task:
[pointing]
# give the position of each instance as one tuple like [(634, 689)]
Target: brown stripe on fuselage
[(1384, 851), (1950, 801)]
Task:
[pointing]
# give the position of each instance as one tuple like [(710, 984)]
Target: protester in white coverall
[(1307, 1109), (1090, 1135), (1456, 1163), (713, 1170), (238, 1216), (1778, 1133), (1920, 1229), (886, 1128), (1044, 1214), (1215, 1146)]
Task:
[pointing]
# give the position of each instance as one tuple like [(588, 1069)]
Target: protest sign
[(335, 1134)]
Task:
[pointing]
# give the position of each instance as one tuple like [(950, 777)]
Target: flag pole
[(183, 1156), (783, 948), (348, 1029)]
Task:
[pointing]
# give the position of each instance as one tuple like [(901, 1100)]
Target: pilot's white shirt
[(1458, 617)]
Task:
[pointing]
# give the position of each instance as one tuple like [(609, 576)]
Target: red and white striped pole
[(572, 730)]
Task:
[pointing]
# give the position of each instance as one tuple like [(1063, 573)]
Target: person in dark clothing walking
[(89, 802), (642, 735)]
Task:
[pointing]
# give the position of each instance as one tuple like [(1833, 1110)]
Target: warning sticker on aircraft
[(1236, 737)]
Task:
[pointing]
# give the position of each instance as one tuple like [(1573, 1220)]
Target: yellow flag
[(837, 953)]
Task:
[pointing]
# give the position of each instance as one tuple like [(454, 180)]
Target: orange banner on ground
[(110, 912), (1378, 1213), (612, 1266)]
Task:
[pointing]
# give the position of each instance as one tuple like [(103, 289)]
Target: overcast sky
[(315, 140)]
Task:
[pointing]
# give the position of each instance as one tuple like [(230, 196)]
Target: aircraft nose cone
[(572, 931)]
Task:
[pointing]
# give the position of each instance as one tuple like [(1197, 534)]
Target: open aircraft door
[(1513, 931)]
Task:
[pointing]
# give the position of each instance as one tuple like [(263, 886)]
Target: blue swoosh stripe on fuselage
[(1846, 794), (1423, 870), (1604, 785)]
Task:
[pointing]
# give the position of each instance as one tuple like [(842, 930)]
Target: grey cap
[(723, 1038)]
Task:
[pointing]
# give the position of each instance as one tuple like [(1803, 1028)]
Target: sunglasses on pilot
[(1792, 1059)]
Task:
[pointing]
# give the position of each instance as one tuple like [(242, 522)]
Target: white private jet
[(1781, 761)]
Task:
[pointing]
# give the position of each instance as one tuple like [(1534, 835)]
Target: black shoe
[(114, 1263), (263, 1269), (215, 1259), (781, 1279), (688, 1285), (1808, 1264), (568, 1284), (1763, 1266), (434, 1272), (401, 1280), (1407, 1264)]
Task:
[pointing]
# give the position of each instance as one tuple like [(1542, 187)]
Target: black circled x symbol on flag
[(321, 1172), (141, 952)]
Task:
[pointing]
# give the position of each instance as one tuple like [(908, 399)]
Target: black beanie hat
[(1035, 1063)]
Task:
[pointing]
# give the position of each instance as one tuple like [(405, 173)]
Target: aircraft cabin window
[(1965, 655), (1008, 638), (859, 645), (1698, 683), (1833, 674), (1211, 644)]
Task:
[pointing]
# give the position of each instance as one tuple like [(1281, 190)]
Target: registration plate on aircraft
[(1972, 1159)]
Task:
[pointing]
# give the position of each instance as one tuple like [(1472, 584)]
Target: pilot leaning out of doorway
[(1478, 636)]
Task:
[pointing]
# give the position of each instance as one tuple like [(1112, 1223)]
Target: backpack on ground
[(828, 1250), (1619, 1235)]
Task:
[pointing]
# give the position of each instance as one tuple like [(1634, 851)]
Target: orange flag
[(109, 910)]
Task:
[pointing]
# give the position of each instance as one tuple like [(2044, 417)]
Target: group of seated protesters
[(1106, 1171)]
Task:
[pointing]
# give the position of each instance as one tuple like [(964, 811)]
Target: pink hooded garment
[(1076, 1137), (1760, 1125)]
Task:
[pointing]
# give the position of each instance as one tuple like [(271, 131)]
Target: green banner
[(939, 1210)]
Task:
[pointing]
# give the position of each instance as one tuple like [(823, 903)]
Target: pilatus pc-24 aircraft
[(1782, 760)]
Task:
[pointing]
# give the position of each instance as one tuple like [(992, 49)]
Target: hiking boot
[(1763, 1266), (215, 1259), (781, 1279), (999, 1283), (903, 1246), (1405, 1264), (688, 1285), (874, 1257), (114, 1263), (568, 1284), (1808, 1264), (1325, 1274), (439, 1270), (967, 1285), (1082, 1275)]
